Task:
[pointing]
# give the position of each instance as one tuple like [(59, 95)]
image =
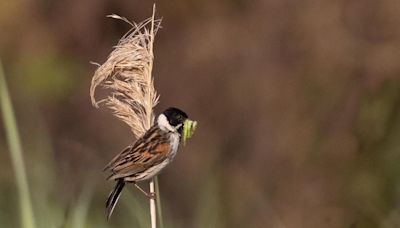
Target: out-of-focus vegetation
[(14, 144), (298, 103)]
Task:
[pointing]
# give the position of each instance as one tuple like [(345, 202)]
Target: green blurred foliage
[(48, 77)]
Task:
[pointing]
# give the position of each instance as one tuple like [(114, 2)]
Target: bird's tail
[(113, 197)]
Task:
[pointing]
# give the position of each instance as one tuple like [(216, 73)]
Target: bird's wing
[(151, 149), (129, 150)]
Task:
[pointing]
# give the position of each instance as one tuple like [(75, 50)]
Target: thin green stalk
[(158, 201), (14, 143), (137, 209), (80, 210)]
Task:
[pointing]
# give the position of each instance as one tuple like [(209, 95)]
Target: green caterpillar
[(188, 129)]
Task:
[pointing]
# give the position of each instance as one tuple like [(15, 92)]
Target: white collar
[(164, 125)]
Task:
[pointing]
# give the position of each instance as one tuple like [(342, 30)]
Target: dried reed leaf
[(126, 75)]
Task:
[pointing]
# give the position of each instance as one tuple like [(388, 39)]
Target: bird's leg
[(151, 195)]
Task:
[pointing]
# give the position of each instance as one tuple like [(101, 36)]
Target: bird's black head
[(175, 116)]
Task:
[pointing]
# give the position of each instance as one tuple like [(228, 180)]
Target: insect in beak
[(189, 126)]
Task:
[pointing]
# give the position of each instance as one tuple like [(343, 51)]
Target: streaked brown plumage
[(147, 156), (136, 158)]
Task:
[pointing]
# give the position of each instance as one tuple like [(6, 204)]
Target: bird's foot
[(152, 195)]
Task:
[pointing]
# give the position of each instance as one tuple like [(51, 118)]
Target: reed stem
[(153, 212), (14, 144)]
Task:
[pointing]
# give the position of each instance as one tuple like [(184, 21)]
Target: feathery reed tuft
[(127, 76)]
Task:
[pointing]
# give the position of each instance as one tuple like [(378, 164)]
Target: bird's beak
[(189, 126)]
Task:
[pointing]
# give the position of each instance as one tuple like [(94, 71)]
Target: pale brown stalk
[(126, 75)]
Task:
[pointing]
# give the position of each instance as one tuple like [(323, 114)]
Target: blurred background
[(297, 104)]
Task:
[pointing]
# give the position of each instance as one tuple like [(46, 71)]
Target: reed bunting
[(147, 156)]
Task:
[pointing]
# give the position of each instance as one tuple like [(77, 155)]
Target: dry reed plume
[(127, 76)]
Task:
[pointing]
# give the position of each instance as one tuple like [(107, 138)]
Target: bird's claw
[(151, 195)]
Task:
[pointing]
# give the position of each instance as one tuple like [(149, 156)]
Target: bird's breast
[(174, 140)]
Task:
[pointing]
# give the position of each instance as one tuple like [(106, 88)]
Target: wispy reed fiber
[(127, 76)]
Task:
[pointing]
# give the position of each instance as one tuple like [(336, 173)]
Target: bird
[(146, 157)]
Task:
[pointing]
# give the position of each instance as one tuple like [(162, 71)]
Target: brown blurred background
[(297, 104)]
